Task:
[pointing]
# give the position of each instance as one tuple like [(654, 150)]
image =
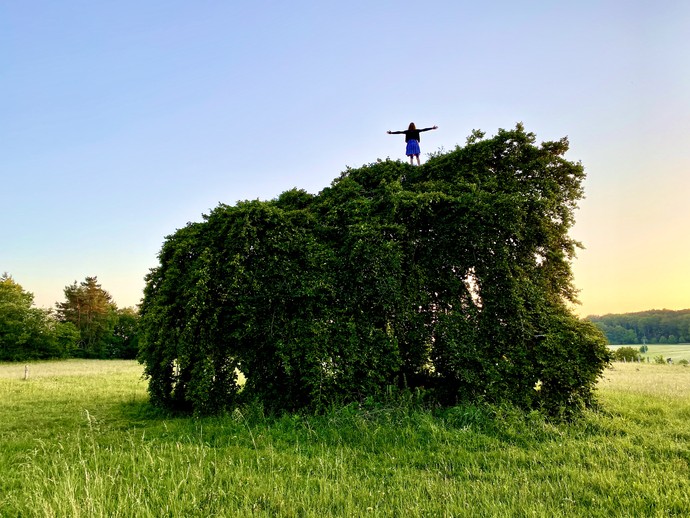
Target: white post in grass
[(26, 372)]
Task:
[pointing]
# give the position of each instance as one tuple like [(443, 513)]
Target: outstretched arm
[(395, 132), (428, 129)]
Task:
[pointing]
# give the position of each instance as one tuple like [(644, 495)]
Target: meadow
[(676, 351), (79, 439)]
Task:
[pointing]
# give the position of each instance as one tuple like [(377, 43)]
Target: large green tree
[(453, 277), (27, 332), (125, 338), (92, 311)]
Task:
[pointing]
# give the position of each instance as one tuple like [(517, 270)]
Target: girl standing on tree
[(412, 138)]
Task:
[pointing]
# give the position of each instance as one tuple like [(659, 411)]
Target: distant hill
[(656, 326)]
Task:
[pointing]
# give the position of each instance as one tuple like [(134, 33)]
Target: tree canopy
[(90, 308), (104, 330), (87, 324), (27, 332), (452, 278)]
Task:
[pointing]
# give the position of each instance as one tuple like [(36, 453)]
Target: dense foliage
[(646, 327), (453, 277), (91, 309), (87, 324), (104, 330), (27, 332), (626, 354)]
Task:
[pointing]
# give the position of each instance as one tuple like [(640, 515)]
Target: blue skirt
[(412, 148)]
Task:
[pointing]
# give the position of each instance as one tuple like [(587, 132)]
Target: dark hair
[(411, 126)]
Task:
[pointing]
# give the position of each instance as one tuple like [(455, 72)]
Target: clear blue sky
[(122, 121)]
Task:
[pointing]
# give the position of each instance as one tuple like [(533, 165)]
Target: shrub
[(628, 354), (452, 278)]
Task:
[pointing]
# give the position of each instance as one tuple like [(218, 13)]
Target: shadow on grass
[(360, 426)]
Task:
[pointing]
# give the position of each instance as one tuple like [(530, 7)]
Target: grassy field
[(675, 352), (78, 439)]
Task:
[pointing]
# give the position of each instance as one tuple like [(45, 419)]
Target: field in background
[(675, 352), (70, 368), (670, 383), (78, 438)]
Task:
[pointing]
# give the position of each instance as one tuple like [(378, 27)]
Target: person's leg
[(411, 159), (417, 157)]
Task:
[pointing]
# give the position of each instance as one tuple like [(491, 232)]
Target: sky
[(122, 121)]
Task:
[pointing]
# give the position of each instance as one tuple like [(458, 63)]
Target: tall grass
[(79, 439)]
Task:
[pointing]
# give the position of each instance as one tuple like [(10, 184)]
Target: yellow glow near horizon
[(637, 252)]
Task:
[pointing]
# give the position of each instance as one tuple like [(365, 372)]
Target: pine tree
[(91, 309)]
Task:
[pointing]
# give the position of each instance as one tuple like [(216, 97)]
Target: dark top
[(411, 134)]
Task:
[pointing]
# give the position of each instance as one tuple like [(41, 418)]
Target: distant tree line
[(651, 327), (88, 324)]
